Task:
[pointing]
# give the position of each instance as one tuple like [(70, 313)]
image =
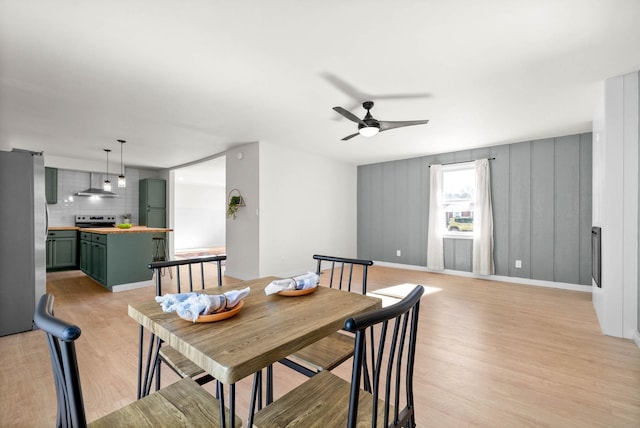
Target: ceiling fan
[(368, 126)]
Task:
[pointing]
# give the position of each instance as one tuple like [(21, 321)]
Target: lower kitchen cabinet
[(99, 261), (116, 259), (85, 252), (62, 249)]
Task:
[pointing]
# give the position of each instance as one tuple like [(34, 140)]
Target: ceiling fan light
[(368, 131)]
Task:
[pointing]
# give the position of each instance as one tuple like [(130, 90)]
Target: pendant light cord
[(122, 181), (107, 150), (121, 162)]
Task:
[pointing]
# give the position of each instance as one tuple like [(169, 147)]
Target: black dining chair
[(189, 277), (333, 350), (179, 403), (380, 393)]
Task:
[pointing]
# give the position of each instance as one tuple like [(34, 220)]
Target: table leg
[(144, 384), (232, 404), (140, 340), (220, 394), (256, 396), (269, 393)]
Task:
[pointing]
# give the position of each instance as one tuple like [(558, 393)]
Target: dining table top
[(265, 330)]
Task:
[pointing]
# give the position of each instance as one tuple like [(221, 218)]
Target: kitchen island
[(118, 259)]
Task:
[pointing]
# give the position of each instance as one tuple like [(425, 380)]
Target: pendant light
[(106, 186), (122, 180)]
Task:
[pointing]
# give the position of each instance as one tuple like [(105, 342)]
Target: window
[(458, 198)]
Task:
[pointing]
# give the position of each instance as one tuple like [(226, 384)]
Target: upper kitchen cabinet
[(153, 205), (51, 185)]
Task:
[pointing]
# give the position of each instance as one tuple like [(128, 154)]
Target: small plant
[(235, 202)]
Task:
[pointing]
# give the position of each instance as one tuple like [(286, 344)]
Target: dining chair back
[(384, 362), (189, 277), (331, 351), (385, 400), (341, 272), (164, 408), (61, 338), (186, 267)]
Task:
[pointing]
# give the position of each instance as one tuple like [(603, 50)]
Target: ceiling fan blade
[(345, 87), (348, 137), (400, 96), (359, 96), (386, 125), (349, 115)]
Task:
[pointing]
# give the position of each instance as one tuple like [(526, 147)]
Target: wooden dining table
[(265, 330)]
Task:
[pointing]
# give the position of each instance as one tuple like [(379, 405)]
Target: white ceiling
[(183, 80)]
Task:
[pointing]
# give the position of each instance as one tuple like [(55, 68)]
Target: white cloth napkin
[(192, 305), (300, 282)]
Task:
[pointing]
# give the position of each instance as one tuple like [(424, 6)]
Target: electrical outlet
[(518, 264), (398, 253)]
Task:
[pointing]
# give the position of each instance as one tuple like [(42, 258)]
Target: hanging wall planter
[(234, 201)]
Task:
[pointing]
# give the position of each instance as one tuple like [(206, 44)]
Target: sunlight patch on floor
[(394, 294)]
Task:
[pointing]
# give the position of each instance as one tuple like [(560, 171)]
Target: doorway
[(199, 209)]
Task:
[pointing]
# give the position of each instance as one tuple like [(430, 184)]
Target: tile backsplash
[(69, 205)]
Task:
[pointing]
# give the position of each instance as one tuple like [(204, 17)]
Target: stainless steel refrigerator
[(23, 232)]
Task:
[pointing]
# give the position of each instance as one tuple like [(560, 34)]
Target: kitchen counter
[(133, 229), (63, 228)]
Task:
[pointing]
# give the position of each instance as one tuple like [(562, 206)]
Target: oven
[(95, 220)]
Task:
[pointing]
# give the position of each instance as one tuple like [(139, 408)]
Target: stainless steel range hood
[(96, 191)]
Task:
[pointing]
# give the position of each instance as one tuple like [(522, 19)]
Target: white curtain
[(435, 242), (483, 222)]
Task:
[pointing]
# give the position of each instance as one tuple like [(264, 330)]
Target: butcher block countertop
[(64, 228), (133, 229)]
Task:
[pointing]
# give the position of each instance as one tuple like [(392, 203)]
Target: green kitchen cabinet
[(117, 258), (152, 202), (85, 252), (62, 248), (99, 257), (51, 185)]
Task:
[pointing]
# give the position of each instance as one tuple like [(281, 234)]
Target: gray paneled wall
[(541, 194)]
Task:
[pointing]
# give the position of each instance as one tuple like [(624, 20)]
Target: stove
[(95, 220)]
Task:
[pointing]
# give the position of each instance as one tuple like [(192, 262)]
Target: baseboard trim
[(516, 280), (131, 286)]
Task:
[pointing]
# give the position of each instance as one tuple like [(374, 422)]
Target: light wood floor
[(490, 354)]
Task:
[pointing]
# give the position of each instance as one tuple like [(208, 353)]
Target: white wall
[(615, 204), (297, 205), (199, 215), (243, 233), (307, 206)]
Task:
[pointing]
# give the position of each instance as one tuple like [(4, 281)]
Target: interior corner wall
[(616, 199), (242, 233), (307, 207)]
